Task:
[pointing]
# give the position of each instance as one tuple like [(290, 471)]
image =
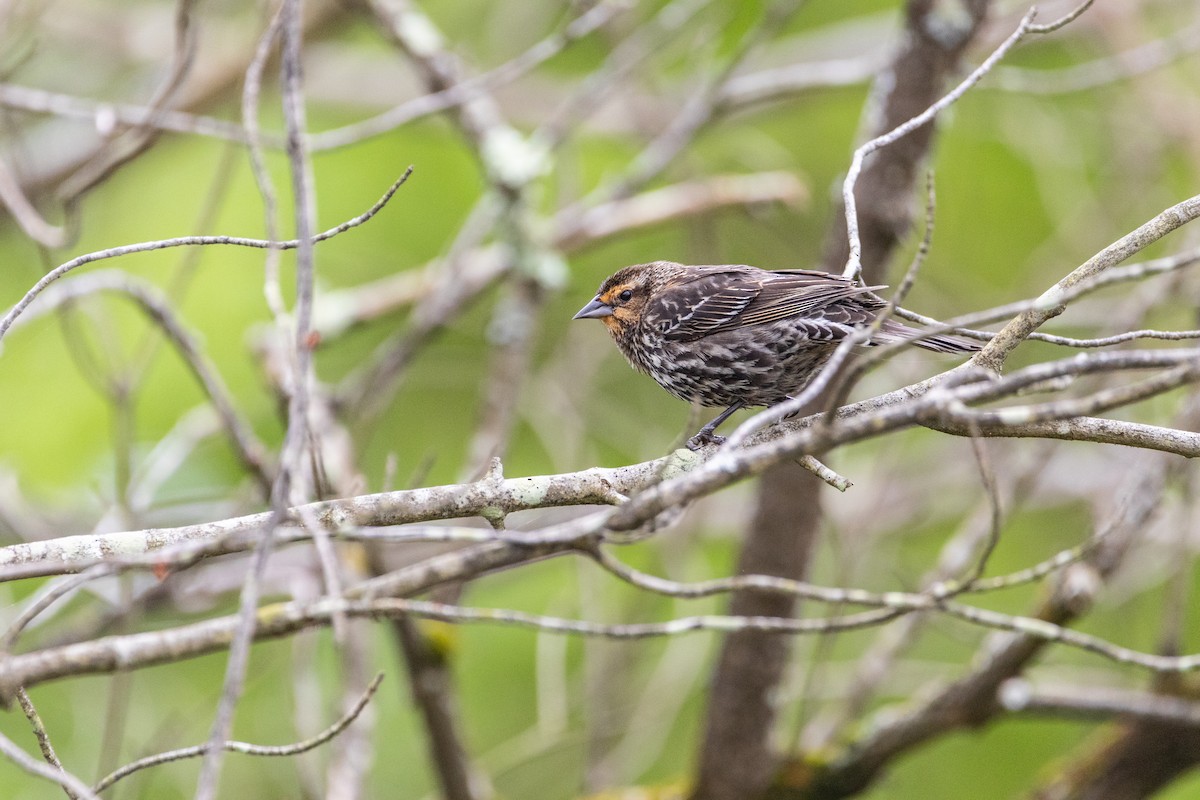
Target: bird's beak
[(594, 310)]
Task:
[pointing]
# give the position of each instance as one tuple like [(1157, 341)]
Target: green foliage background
[(1028, 187)]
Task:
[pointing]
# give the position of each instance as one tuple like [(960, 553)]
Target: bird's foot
[(703, 439), (706, 435)]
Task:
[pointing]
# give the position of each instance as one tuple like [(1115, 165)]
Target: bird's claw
[(703, 439)]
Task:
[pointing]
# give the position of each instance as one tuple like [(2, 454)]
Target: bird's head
[(623, 296)]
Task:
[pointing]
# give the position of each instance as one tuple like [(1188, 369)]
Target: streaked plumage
[(736, 335)]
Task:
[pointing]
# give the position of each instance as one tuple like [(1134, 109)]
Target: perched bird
[(738, 336)]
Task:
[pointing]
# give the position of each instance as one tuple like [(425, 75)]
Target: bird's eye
[(625, 296)]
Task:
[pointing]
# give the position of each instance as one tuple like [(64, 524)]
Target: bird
[(739, 336)]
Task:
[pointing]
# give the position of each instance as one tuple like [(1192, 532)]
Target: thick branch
[(489, 497)]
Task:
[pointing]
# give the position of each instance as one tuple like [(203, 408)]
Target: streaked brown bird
[(738, 336)]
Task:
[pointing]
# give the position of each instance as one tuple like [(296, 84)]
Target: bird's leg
[(706, 435), (794, 413)]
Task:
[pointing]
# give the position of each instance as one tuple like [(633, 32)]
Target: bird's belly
[(732, 367)]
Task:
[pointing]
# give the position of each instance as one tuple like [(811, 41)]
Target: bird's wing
[(795, 293), (708, 303), (722, 300)]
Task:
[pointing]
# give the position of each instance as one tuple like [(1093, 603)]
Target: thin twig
[(250, 450), (43, 738), (186, 241), (245, 747), (58, 775), (1020, 696), (854, 263), (134, 651), (290, 478)]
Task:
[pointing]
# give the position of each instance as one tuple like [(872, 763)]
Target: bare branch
[(245, 747), (591, 487), (1019, 695), (854, 263), (249, 449), (1098, 72), (291, 483), (55, 775), (470, 89), (1051, 303), (23, 211), (186, 241), (43, 738), (139, 650)]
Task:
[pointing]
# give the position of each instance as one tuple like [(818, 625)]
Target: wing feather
[(805, 293), (711, 302), (717, 299)]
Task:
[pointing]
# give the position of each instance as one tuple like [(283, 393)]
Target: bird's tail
[(940, 343)]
